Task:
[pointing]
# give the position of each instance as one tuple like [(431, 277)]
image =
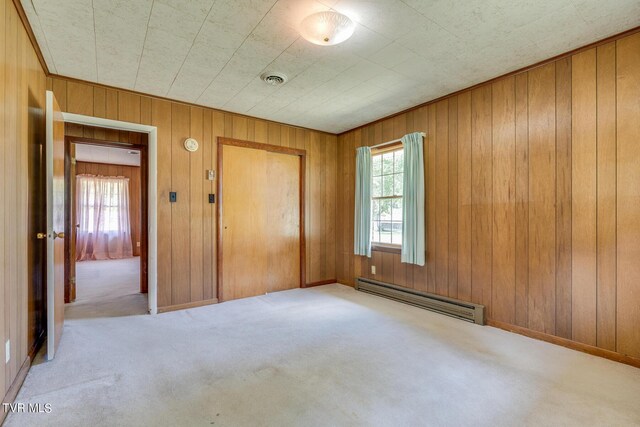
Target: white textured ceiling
[(108, 155), (403, 52)]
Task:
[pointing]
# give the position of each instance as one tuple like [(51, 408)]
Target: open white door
[(55, 224)]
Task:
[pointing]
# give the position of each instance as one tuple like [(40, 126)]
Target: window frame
[(381, 246)]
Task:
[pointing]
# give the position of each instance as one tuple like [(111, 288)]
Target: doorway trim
[(302, 154), (152, 190)]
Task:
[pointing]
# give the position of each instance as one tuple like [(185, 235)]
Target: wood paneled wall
[(533, 198), (187, 229), (22, 91), (131, 172)]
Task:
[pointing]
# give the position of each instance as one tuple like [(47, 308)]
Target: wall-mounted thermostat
[(191, 144)]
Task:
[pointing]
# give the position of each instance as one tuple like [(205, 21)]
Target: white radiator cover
[(463, 310)]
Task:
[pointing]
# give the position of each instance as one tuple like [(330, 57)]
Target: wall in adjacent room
[(131, 172), (187, 229), (533, 198), (22, 91)]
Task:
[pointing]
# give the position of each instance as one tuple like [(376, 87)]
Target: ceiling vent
[(274, 79)]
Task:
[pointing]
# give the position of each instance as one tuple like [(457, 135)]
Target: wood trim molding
[(259, 146), (187, 305), (27, 27), (302, 154), (320, 283), (105, 143), (14, 388), (512, 73), (573, 345), (388, 249)]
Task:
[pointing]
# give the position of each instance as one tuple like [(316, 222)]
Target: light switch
[(211, 174)]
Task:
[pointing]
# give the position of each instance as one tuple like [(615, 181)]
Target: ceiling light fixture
[(327, 28)]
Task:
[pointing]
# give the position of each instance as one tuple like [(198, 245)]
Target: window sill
[(384, 248)]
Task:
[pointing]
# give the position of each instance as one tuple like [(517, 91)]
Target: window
[(386, 192)]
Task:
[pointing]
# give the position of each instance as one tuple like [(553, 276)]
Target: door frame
[(152, 191), (302, 154), (141, 146)]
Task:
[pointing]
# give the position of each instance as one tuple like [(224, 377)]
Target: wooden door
[(244, 225), (282, 208), (55, 223), (260, 239)]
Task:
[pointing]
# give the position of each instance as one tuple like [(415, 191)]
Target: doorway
[(106, 219), (261, 240)]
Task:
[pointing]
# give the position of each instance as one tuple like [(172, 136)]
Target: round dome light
[(327, 28)]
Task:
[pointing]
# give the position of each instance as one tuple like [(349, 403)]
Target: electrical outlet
[(7, 351), (373, 269), (138, 244)]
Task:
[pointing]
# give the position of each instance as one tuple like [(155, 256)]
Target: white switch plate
[(138, 244), (211, 174), (373, 269), (7, 351)]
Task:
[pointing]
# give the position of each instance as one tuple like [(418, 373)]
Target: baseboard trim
[(323, 282), (187, 305), (573, 345), (12, 393)]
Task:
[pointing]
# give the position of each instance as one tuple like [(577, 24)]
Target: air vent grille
[(274, 79)]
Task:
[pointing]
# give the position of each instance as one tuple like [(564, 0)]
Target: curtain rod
[(424, 135)]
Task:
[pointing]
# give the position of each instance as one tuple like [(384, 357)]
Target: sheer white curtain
[(103, 214)]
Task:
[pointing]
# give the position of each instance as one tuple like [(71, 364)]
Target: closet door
[(260, 222), (244, 222), (283, 217)]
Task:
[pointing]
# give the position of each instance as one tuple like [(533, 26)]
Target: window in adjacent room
[(386, 192)]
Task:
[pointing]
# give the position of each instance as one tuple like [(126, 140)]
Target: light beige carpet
[(326, 356)]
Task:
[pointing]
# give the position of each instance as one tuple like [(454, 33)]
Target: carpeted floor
[(325, 356)]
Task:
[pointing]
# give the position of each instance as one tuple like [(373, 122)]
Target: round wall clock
[(191, 144)]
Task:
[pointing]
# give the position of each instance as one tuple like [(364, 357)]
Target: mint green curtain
[(413, 236), (362, 224)]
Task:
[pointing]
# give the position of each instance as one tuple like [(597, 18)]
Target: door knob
[(41, 236), (58, 235)]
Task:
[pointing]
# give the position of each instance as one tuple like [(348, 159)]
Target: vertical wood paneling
[(481, 194), (430, 189), (196, 208), (441, 247), (79, 98), (22, 92), (628, 194), (5, 107), (504, 219), (160, 117), (563, 197), (452, 275), (542, 166), (10, 169), (522, 200), (583, 194), (606, 191), (208, 237), (464, 196), (180, 210)]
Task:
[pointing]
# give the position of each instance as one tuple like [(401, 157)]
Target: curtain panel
[(362, 224), (102, 209), (413, 235)]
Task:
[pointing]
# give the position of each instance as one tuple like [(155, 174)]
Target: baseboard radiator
[(470, 312)]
